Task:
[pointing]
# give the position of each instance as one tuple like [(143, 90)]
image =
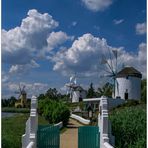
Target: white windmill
[(75, 91), (112, 69)]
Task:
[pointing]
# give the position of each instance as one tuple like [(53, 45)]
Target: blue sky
[(45, 49)]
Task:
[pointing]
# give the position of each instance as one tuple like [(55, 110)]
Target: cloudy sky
[(44, 42)]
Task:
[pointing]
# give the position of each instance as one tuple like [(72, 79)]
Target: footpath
[(69, 139)]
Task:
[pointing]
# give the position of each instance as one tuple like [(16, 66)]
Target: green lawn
[(13, 128)]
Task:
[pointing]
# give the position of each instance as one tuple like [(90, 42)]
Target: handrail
[(30, 145), (107, 145), (80, 119)]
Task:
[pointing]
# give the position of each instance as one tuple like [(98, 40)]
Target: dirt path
[(69, 139)]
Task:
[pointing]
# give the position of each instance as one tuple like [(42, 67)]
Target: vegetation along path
[(69, 139)]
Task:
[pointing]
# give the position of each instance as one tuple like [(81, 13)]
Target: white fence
[(106, 138), (30, 136), (80, 119)]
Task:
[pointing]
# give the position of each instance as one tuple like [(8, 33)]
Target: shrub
[(54, 111), (129, 127)]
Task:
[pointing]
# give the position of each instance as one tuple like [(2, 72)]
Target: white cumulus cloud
[(86, 52), (97, 5), (20, 69), (141, 28), (20, 44), (32, 40), (57, 38)]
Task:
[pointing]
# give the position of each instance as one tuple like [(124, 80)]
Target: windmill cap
[(129, 71)]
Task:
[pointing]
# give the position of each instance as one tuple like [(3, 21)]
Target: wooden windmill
[(22, 98)]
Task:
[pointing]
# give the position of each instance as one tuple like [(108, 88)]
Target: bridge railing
[(30, 136), (80, 119), (106, 138)]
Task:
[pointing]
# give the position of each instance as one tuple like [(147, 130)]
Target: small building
[(92, 103), (78, 94), (128, 84)]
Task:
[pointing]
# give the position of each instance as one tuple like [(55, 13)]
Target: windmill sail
[(115, 53), (112, 70)]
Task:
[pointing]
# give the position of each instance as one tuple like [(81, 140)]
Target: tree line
[(53, 94)]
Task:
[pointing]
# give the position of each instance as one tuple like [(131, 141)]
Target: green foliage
[(54, 111), (52, 94), (91, 92), (129, 127), (143, 91), (129, 103), (106, 90), (9, 102), (41, 97)]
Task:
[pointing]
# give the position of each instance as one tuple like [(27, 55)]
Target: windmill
[(72, 85), (22, 97), (111, 72), (21, 91)]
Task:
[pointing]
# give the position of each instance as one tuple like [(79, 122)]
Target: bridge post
[(104, 124), (29, 139)]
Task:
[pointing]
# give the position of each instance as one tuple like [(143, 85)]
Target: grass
[(15, 110), (129, 126), (13, 128)]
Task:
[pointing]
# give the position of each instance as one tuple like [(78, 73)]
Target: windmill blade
[(23, 87), (19, 96), (117, 87), (115, 53), (20, 87), (103, 60), (71, 78), (75, 81), (106, 75)]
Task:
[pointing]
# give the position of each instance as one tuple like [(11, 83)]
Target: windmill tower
[(22, 99), (77, 93), (129, 80), (111, 72)]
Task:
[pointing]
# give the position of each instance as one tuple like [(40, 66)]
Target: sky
[(44, 42)]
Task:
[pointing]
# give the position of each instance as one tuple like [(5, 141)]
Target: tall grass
[(13, 128), (129, 127)]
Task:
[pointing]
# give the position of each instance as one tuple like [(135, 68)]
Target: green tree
[(91, 92), (52, 94), (54, 111), (12, 101), (41, 97), (106, 90), (5, 103)]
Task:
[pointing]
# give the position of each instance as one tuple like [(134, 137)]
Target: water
[(5, 114)]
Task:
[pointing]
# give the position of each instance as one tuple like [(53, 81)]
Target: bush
[(129, 103), (129, 127), (54, 111)]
